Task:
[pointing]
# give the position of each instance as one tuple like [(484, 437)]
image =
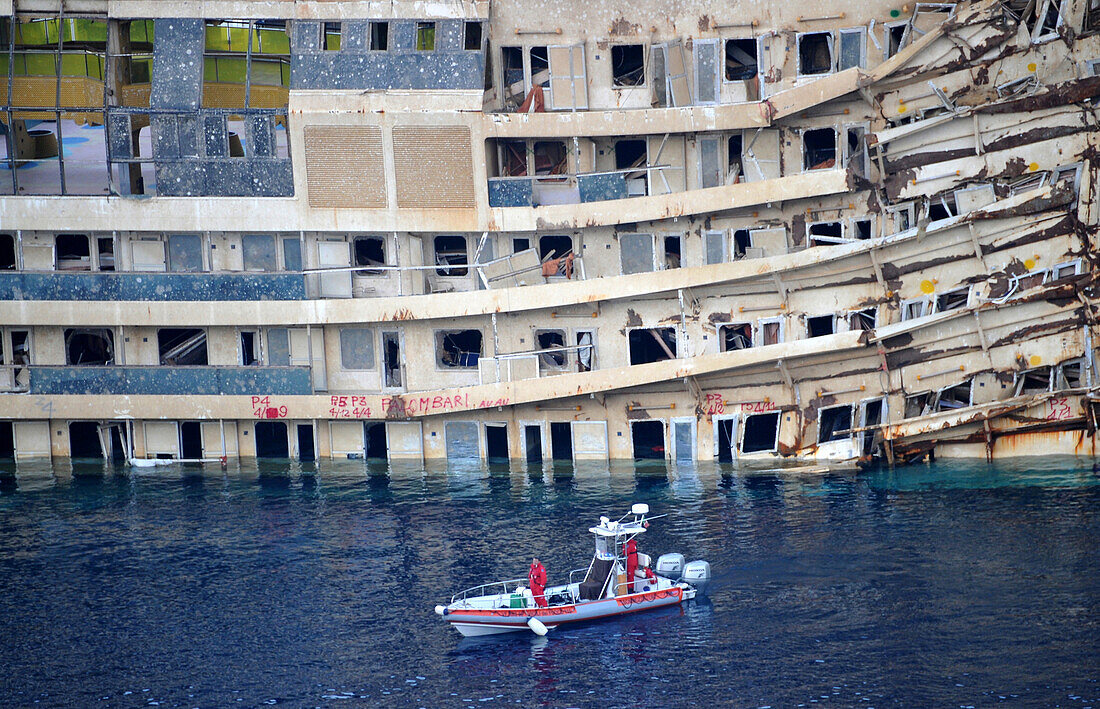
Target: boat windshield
[(605, 547)]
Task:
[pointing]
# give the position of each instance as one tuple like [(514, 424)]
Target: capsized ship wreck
[(514, 229)]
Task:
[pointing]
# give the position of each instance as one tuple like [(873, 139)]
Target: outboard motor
[(697, 573), (670, 566)]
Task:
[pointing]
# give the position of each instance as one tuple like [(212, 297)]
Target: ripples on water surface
[(947, 585)]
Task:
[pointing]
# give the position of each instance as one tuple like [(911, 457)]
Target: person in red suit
[(631, 564), (536, 579)]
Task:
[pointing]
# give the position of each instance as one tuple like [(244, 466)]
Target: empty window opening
[(861, 229), (673, 258), (735, 337), (1034, 381), (249, 349), (513, 158), (540, 66), (627, 65), (84, 440), (761, 433), (425, 36), (7, 252), (521, 244), (106, 246), (826, 234), (1071, 374), (305, 442), (330, 36), (652, 345), (726, 430), (7, 440), (954, 397), (391, 359), (856, 150), (742, 242), (894, 39), (511, 59), (379, 36), (734, 169), (369, 251), (939, 208), (554, 246), (740, 59), (820, 326), (834, 424), (458, 348), (585, 351), (377, 447), (496, 442), (272, 440), (630, 154), (648, 438), (561, 440), (916, 308), (917, 404), (952, 300), (771, 332), (872, 416), (553, 340), (550, 157), (89, 347), (819, 149), (815, 53), (1052, 17), (191, 440), (181, 347), (471, 36), (73, 253), (532, 443), (451, 255), (863, 319)]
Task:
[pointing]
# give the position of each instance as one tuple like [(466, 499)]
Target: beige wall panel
[(344, 167), (590, 440), (212, 438), (32, 439), (403, 439), (346, 437), (162, 437), (434, 166)]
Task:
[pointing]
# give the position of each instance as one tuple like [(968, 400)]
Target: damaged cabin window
[(451, 255), (734, 168), (425, 36), (652, 344), (1033, 381), (250, 348), (550, 157), (182, 347), (940, 208), (895, 35), (737, 336), (1092, 20), (853, 45), (379, 36), (1029, 280), (770, 332), (1047, 19), (632, 155), (627, 65), (742, 242), (73, 253), (106, 247), (955, 397), (330, 36), (471, 36), (819, 149), (89, 346), (820, 326), (673, 257), (458, 348), (1065, 270), (7, 252), (861, 229), (917, 404), (356, 348), (761, 433), (740, 59), (855, 150), (826, 234), (258, 252), (815, 53), (369, 251), (1070, 374), (915, 308), (554, 246), (862, 319), (511, 62), (835, 424), (553, 340), (952, 300)]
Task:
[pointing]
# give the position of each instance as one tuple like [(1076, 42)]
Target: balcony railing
[(575, 189), (92, 286), (155, 380)]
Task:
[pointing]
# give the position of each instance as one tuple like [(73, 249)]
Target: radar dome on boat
[(639, 508)]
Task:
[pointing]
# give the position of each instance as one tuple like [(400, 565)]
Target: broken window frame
[(888, 48), (1062, 172), (642, 79), (1059, 270), (903, 216), (1034, 375), (1062, 382), (861, 320), (1024, 281), (466, 35), (859, 160), (257, 347), (552, 356), (833, 434), (451, 268), (938, 403), (204, 343), (759, 331), (813, 239), (1042, 9), (915, 308), (464, 359), (723, 338), (830, 39), (370, 269), (924, 398), (853, 230), (956, 298), (724, 52), (112, 341), (674, 346), (15, 359), (66, 264), (744, 431), (807, 161), (833, 321)]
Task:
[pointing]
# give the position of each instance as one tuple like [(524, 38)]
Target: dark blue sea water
[(948, 585)]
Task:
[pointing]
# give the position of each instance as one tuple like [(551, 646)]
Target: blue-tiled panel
[(510, 192), (598, 188), (152, 286), (242, 381)]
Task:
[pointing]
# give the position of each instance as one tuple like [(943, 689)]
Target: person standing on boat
[(631, 564), (536, 579)]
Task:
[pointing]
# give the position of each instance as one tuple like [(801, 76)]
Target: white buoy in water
[(536, 626)]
